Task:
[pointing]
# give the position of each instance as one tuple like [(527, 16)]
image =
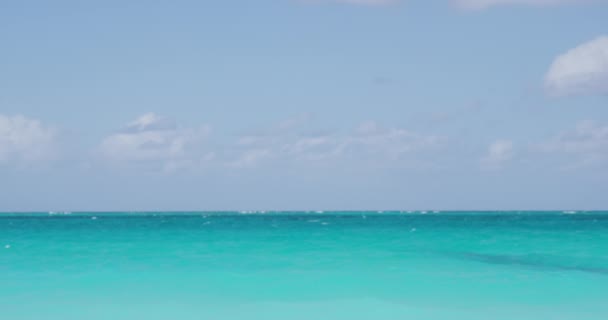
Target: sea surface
[(304, 265)]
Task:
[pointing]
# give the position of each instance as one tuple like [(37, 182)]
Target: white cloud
[(499, 152), (150, 122), (484, 4), (588, 141), (251, 157), (582, 70), (154, 139), (390, 142), (368, 142), (25, 140)]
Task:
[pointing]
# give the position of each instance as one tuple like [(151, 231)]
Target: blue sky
[(301, 104)]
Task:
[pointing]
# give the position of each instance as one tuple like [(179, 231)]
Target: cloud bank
[(369, 142), (157, 143)]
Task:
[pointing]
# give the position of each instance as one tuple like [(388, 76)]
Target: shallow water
[(304, 265)]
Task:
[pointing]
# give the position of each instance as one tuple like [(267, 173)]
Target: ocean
[(304, 265)]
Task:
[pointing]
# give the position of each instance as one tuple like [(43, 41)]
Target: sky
[(303, 105)]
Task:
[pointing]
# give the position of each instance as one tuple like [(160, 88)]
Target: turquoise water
[(298, 265)]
